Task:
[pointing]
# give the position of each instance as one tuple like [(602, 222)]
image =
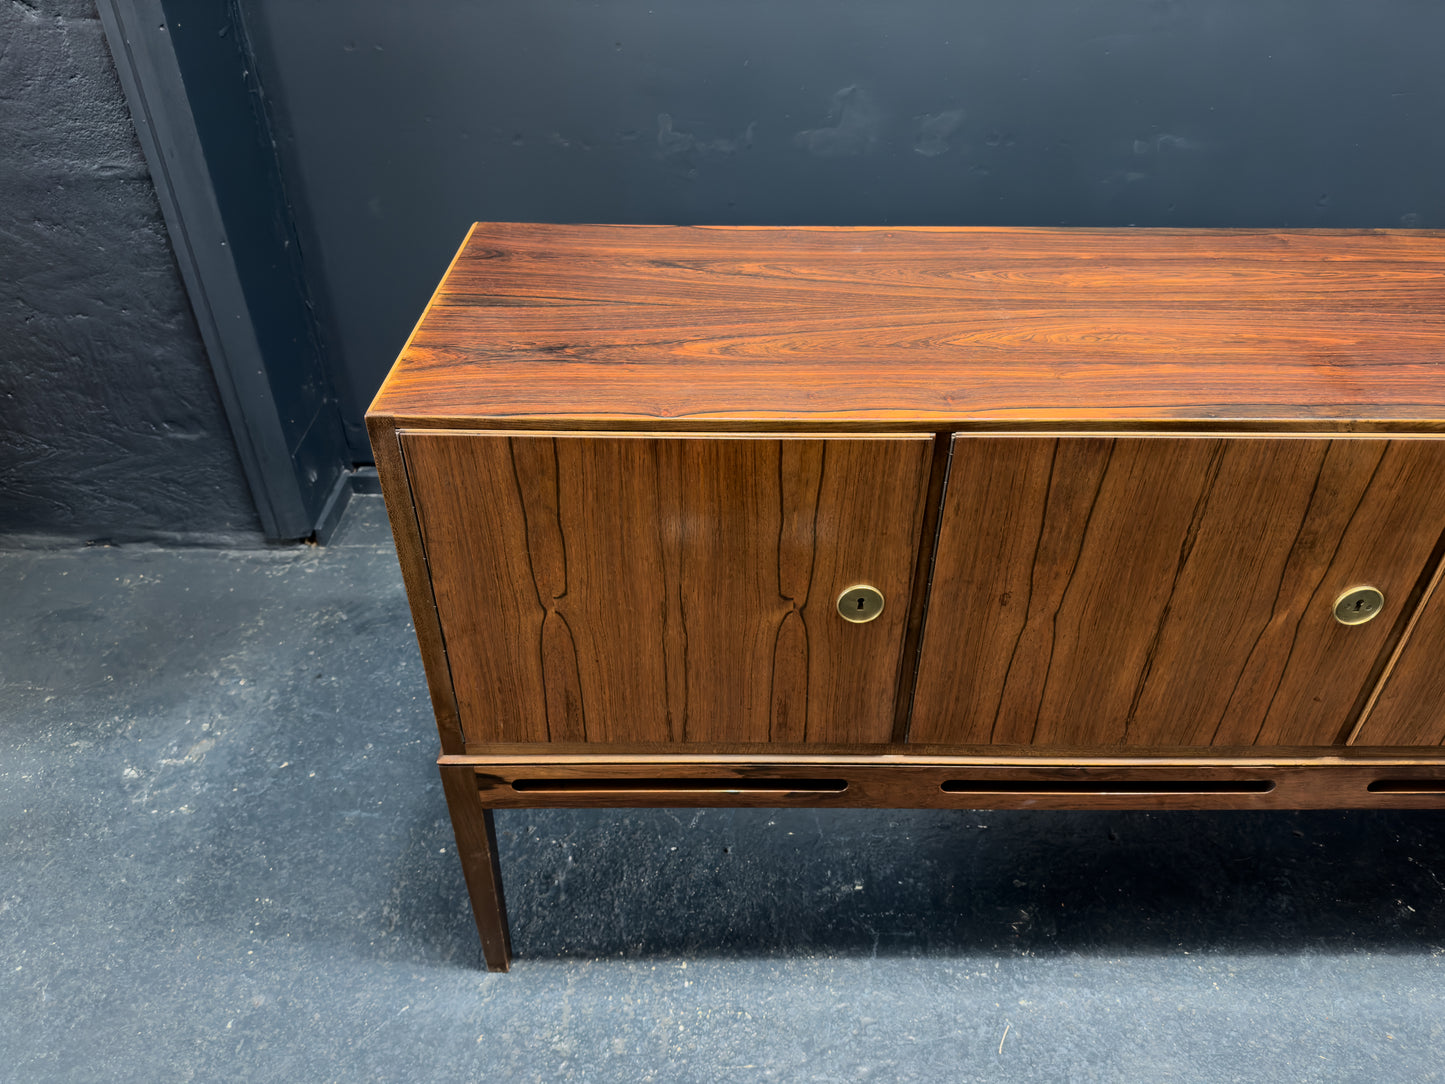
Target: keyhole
[(859, 604), (1358, 605)]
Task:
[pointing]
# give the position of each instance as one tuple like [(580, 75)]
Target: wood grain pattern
[(476, 836), (922, 572), (698, 327), (1081, 781), (591, 606), (635, 589), (1167, 591), (407, 536), (1410, 706)]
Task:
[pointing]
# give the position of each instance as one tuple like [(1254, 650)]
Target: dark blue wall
[(399, 124), (402, 123)]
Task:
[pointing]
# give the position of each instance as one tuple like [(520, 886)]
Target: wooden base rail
[(960, 783), (476, 786)]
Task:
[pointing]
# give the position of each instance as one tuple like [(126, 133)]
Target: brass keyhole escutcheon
[(860, 603), (1358, 605)]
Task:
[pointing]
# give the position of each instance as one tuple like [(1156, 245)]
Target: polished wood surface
[(635, 589), (706, 327), (922, 571), (630, 469), (1035, 782), (1168, 591), (417, 579), (476, 836), (1410, 707)]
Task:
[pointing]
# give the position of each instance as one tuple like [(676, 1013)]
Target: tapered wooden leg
[(477, 846)]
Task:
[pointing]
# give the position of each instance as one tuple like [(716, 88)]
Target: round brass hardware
[(860, 603), (1358, 605)]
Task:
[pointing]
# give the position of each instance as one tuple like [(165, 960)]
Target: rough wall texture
[(111, 427)]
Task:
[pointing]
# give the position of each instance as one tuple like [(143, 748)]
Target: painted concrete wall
[(111, 427)]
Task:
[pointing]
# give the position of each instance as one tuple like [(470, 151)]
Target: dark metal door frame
[(202, 125)]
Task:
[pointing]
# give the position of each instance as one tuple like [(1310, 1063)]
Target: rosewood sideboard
[(948, 518)]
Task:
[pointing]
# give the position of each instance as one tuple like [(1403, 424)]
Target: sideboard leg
[(477, 846)]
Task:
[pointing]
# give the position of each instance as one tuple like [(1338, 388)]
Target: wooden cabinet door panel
[(681, 589), (1167, 591), (1410, 708)]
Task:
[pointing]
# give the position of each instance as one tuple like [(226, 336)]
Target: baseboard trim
[(359, 480)]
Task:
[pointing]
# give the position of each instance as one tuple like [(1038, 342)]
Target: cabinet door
[(1168, 591), (634, 589), (1410, 709)]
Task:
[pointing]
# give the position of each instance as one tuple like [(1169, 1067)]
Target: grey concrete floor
[(226, 857)]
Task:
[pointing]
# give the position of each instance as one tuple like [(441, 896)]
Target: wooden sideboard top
[(667, 327)]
